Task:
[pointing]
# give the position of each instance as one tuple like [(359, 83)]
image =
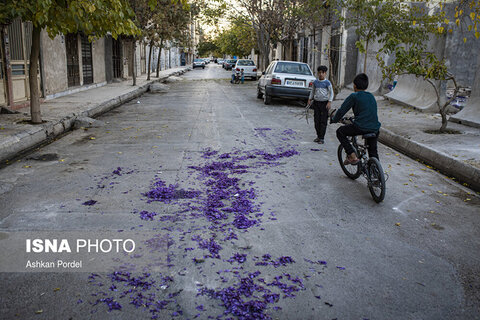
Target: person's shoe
[(350, 161), (317, 140)]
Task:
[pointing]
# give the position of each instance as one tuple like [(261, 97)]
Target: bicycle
[(370, 167)]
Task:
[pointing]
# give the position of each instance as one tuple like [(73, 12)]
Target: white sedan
[(249, 68), (289, 79)]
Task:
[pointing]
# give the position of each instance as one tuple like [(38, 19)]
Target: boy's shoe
[(352, 162)]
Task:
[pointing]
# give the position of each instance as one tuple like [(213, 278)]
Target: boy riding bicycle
[(366, 119)]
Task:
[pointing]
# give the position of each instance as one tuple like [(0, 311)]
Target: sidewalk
[(403, 129), (59, 114)]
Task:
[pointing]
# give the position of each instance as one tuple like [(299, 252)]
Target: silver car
[(198, 63), (290, 79), (249, 68)]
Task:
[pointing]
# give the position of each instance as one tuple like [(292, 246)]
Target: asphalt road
[(239, 181)]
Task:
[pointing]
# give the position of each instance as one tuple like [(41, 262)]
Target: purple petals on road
[(240, 258), (145, 215), (162, 193)]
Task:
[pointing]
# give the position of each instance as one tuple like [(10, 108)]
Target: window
[(270, 68), (294, 68), (245, 63)]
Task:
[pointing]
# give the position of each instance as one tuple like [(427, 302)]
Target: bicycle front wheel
[(353, 172), (376, 180)]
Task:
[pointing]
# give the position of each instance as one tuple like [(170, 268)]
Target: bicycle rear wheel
[(353, 172), (376, 180)]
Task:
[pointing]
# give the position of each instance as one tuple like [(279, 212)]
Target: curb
[(24, 141), (445, 163)]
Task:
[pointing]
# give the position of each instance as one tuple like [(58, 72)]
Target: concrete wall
[(54, 63), (351, 56), (98, 55), (460, 56), (373, 70)]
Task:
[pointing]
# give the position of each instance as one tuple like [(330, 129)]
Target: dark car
[(229, 64)]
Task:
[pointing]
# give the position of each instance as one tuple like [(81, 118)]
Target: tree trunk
[(365, 59), (134, 62), (159, 55), (149, 59), (443, 113), (32, 77)]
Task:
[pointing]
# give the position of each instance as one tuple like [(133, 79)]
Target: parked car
[(230, 63), (249, 68), (198, 63), (285, 79)]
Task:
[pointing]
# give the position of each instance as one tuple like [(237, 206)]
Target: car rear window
[(245, 63), (295, 68)]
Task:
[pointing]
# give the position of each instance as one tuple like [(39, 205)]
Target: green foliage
[(93, 17), (206, 48), (416, 61), (238, 40), (168, 22)]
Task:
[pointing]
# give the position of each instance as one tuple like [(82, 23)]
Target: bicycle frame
[(362, 156)]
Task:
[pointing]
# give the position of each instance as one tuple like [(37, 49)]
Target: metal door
[(19, 35), (73, 61), (117, 58), (3, 84), (87, 63)]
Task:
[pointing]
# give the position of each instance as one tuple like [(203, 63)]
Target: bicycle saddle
[(369, 135)]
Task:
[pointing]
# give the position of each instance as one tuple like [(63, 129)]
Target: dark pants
[(352, 130), (320, 117)]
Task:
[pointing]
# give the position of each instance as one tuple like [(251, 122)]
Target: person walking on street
[(322, 96)]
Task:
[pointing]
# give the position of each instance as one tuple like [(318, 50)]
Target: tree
[(238, 40), (409, 45), (95, 18), (206, 48), (377, 20), (168, 21), (174, 26), (143, 13), (417, 61), (266, 18)]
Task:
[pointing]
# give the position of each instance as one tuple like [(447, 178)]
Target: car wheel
[(267, 99), (259, 93)]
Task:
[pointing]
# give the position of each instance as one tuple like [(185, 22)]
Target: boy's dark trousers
[(352, 130), (320, 117)]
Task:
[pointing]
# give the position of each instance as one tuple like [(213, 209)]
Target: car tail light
[(276, 81), (254, 69)]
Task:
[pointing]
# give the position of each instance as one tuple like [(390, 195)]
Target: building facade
[(71, 63)]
